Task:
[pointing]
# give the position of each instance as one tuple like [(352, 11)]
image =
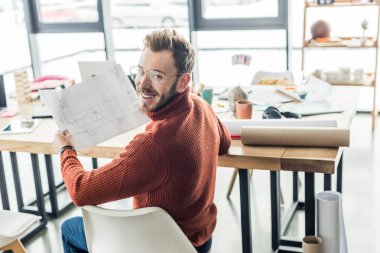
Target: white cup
[(330, 76), (358, 75), (344, 74)]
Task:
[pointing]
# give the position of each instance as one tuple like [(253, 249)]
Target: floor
[(361, 206)]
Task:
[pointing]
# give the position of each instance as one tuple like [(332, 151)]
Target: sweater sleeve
[(136, 171), (225, 138)]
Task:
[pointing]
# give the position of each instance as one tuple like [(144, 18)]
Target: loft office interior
[(50, 37)]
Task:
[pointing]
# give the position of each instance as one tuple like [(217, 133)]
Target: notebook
[(308, 109)]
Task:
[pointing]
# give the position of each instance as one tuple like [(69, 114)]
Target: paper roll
[(329, 219), (235, 126), (312, 244), (296, 136)]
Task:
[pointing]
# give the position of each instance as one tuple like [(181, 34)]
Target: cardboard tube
[(296, 136), (235, 126), (312, 244)]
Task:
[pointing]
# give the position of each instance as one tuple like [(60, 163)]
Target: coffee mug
[(207, 94), (244, 109)]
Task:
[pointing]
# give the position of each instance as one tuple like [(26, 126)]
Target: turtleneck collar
[(179, 104)]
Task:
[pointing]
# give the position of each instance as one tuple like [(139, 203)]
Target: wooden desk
[(273, 159)]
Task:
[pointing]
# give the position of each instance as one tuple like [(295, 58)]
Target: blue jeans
[(74, 240)]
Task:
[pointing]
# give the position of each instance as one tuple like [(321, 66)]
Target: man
[(172, 164)]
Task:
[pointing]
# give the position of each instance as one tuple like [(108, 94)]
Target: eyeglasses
[(154, 77)]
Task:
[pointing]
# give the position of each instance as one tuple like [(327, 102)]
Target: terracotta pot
[(243, 109), (312, 244)]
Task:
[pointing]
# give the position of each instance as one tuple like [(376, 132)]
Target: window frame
[(35, 25), (202, 24)]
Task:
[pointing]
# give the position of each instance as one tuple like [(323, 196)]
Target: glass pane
[(69, 11), (14, 47), (59, 54), (149, 13), (216, 48), (133, 19), (216, 9)]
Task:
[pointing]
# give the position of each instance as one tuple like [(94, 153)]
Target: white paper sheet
[(330, 224), (97, 109), (317, 90)]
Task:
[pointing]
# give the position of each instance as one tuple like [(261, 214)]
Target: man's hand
[(62, 139)]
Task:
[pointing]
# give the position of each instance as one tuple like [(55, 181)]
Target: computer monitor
[(3, 99)]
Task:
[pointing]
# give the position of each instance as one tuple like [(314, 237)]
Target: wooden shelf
[(345, 4), (352, 83), (340, 43), (345, 43)]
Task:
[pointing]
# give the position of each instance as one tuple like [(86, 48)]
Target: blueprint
[(96, 109)]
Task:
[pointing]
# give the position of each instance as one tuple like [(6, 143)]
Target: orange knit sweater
[(171, 165)]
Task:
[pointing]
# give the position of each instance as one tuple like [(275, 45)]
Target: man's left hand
[(62, 139)]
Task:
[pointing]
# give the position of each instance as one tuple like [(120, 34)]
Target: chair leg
[(299, 182), (15, 246), (232, 182), (282, 202)]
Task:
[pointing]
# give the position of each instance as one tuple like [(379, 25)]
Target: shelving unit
[(349, 43)]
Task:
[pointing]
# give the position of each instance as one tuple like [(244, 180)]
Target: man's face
[(154, 96)]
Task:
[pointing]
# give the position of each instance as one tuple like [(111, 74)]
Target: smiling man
[(172, 164)]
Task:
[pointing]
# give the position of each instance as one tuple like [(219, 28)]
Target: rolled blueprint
[(312, 244), (296, 136), (329, 219), (235, 126)]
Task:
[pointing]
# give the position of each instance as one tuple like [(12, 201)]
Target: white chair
[(143, 230), (260, 75), (12, 226)]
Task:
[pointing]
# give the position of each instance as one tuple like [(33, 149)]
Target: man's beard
[(164, 99)]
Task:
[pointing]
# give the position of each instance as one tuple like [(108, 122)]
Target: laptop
[(3, 99), (89, 69)]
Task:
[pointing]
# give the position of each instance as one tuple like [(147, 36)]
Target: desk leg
[(327, 182), (309, 204), (275, 206), (52, 188), (339, 175), (38, 187), (17, 182), (245, 209), (3, 186), (295, 186)]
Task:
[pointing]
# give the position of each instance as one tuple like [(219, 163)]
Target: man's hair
[(170, 39)]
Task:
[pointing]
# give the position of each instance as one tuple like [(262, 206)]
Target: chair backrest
[(13, 225), (260, 75), (143, 230)]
